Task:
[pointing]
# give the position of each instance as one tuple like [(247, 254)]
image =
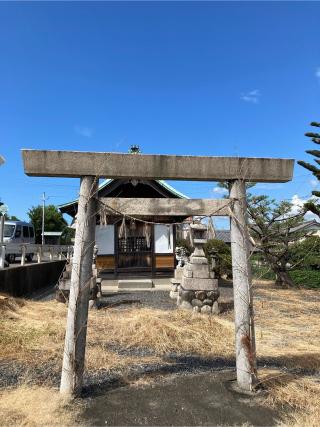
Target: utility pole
[(3, 212), (43, 209)]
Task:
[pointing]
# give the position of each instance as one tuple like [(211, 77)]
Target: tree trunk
[(283, 279)]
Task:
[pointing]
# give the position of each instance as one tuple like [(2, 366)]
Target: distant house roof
[(224, 235), (307, 226)]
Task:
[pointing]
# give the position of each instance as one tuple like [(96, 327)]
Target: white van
[(18, 232)]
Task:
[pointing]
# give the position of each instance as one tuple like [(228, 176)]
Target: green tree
[(11, 218), (67, 236), (222, 253), (53, 220), (311, 205), (305, 254), (272, 226)]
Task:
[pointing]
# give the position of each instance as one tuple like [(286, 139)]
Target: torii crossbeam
[(90, 166)]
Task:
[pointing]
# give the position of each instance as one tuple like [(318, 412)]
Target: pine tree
[(275, 229), (315, 137)]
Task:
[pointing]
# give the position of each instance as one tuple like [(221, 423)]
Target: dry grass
[(38, 327), (30, 329), (37, 406), (298, 396), (288, 333), (289, 320), (163, 331), (288, 336), (32, 333)]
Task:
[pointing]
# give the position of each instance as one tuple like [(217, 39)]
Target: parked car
[(18, 232)]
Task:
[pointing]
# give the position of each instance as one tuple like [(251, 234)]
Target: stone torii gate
[(89, 166)]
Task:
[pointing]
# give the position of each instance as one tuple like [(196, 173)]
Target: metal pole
[(43, 208), (2, 228)]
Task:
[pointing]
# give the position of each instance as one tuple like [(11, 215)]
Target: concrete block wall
[(20, 281)]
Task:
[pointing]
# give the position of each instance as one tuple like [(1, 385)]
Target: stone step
[(135, 284)]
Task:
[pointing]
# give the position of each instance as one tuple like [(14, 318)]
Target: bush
[(262, 272), (223, 253), (305, 255), (306, 278)]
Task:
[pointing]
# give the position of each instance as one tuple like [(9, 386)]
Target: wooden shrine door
[(134, 249)]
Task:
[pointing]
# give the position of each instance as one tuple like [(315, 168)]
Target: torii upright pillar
[(81, 273), (242, 290)]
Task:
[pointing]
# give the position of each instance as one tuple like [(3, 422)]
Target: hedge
[(306, 278)]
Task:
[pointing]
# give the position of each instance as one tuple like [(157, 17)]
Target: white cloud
[(253, 96), (84, 131), (219, 190), (298, 203)]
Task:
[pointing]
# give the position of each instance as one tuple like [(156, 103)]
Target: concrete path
[(194, 400)]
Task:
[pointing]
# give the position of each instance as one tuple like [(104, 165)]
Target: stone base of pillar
[(178, 273), (63, 287), (199, 301), (175, 283)]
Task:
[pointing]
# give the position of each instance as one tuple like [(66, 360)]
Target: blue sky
[(207, 78)]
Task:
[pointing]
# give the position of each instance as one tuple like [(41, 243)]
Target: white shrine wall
[(105, 239), (163, 237)]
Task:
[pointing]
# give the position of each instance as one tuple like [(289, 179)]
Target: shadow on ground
[(202, 399)]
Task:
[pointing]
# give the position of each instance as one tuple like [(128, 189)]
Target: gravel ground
[(151, 299), (157, 299)]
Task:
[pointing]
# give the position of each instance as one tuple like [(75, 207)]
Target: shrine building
[(132, 248)]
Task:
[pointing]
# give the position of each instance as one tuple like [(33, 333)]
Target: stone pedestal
[(199, 289), (63, 286), (176, 282)]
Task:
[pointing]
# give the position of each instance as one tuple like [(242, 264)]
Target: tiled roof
[(107, 182), (306, 224), (223, 235)]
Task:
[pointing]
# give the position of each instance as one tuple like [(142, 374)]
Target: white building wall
[(105, 239), (163, 245)]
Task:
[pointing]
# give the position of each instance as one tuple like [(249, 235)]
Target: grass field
[(133, 338)]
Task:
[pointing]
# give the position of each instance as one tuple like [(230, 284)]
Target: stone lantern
[(199, 239), (199, 288)]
